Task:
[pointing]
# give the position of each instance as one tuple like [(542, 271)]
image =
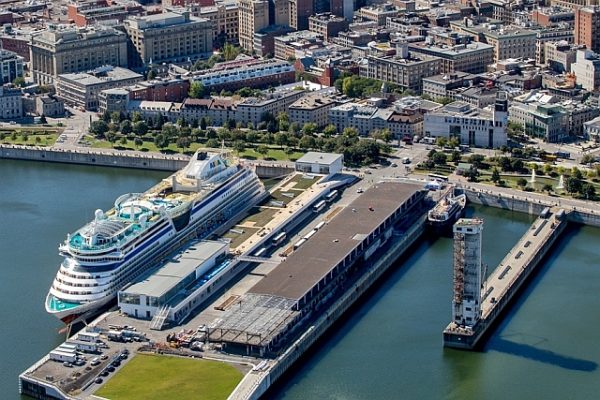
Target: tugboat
[(446, 212)]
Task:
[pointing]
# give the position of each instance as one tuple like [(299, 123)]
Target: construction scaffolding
[(256, 320), (459, 266)]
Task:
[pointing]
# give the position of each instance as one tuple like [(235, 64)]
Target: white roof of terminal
[(178, 267), (313, 157)]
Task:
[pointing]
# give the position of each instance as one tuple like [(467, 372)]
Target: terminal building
[(316, 274), (179, 286), (320, 163)]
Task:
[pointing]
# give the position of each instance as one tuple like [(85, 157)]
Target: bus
[(438, 177), (319, 206), (261, 252), (299, 243), (332, 195), (319, 225), (309, 234), (278, 239)]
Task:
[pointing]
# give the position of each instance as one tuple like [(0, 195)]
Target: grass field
[(149, 377), (302, 182), (239, 238), (261, 216), (24, 136)]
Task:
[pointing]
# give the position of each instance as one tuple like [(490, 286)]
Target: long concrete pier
[(506, 280)]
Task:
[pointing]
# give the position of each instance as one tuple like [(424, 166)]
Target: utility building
[(468, 271)]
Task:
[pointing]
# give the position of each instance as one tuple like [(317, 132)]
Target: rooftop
[(176, 269), (304, 268), (311, 102), (314, 157), (101, 75)]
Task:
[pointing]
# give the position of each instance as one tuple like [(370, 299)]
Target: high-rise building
[(57, 51), (587, 69), (587, 27), (253, 16), (168, 37), (468, 271), (300, 10), (11, 103), (224, 16)]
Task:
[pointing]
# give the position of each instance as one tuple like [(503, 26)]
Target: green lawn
[(273, 154), (149, 377), (261, 216), (302, 182), (239, 238), (37, 137)]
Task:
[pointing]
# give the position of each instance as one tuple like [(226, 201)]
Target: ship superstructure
[(126, 241)]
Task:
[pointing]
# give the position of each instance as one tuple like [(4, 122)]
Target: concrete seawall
[(89, 157), (581, 215)]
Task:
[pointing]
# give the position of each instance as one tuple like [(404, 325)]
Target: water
[(39, 204), (390, 348)]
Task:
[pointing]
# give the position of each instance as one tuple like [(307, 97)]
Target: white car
[(359, 190)]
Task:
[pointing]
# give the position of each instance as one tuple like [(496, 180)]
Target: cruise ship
[(142, 228)]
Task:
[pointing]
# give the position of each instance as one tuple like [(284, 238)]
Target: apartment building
[(168, 37), (327, 25), (57, 51), (587, 27), (312, 108), (224, 17), (11, 103), (11, 66), (253, 16), (587, 69), (471, 58)]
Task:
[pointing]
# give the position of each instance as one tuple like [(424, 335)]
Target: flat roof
[(304, 268), (315, 157), (177, 268)]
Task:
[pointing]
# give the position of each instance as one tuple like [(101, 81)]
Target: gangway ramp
[(260, 260)]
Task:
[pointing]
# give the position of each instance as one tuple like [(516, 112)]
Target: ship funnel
[(98, 214)]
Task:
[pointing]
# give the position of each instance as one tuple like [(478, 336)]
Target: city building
[(299, 11), (592, 129), (560, 55), (312, 108), (549, 35), (174, 284), (253, 109), (11, 103), (549, 122), (11, 66), (378, 13), (468, 271), (286, 46), (327, 25), (439, 86), (320, 163), (473, 58), (264, 40), (89, 12), (551, 16), (587, 69), (253, 17), (225, 19), (113, 100), (217, 110), (587, 27), (404, 69), (245, 71), (49, 106), (168, 37), (16, 43), (57, 51), (82, 89), (471, 125), (579, 114)]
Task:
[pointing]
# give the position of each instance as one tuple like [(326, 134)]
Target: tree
[(576, 173), (439, 158), (350, 132), (123, 141), (230, 52), (441, 141), (99, 128), (239, 146), (547, 188), (137, 142), (19, 81), (309, 128), (140, 128), (183, 142), (136, 117), (203, 123), (281, 139), (161, 141), (588, 190), (307, 142), (330, 130), (213, 143), (262, 149), (111, 136), (125, 127), (115, 117), (43, 119), (456, 156), (151, 74), (495, 175), (522, 183), (477, 160), (547, 169), (587, 159), (573, 185), (196, 90)]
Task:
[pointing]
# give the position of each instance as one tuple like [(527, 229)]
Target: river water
[(390, 347)]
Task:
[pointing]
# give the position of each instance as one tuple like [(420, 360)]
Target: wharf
[(506, 280)]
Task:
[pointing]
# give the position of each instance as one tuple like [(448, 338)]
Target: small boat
[(446, 212)]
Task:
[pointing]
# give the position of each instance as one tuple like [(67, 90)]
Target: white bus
[(319, 206), (309, 234), (331, 196), (261, 252), (319, 225), (278, 239), (299, 243)]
